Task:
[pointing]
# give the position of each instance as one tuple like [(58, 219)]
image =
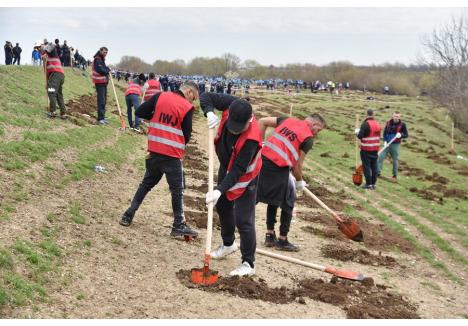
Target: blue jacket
[(391, 130), (100, 66)]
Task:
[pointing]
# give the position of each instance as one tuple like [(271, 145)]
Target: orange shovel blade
[(204, 276), (341, 273)]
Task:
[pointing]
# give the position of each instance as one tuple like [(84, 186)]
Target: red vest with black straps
[(154, 87), (283, 146), (255, 165), (165, 135), (53, 65), (133, 88), (97, 77), (371, 143)]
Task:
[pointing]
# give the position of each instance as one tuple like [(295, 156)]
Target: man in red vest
[(238, 144), (151, 87), (170, 128), (55, 80), (284, 152), (100, 77), (132, 99), (369, 134)]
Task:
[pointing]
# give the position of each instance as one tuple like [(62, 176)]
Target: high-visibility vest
[(53, 65), (165, 135), (283, 146), (255, 165), (154, 87), (371, 143), (97, 77), (133, 88)]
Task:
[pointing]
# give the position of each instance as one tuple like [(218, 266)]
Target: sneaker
[(63, 116), (366, 187), (394, 179), (243, 270), (373, 187), (223, 251), (183, 229), (126, 220), (138, 130), (285, 245), (103, 122), (270, 240), (51, 115)]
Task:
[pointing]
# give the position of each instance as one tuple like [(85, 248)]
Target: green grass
[(6, 262), (87, 243), (75, 212)]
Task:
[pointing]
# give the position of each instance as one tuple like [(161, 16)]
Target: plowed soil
[(358, 256)]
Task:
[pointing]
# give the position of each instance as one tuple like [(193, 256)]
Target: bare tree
[(447, 49)]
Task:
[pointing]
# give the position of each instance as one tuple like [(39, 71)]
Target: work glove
[(356, 131), (398, 135), (385, 143), (300, 185), (213, 196), (213, 120)]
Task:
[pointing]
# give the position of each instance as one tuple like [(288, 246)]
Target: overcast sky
[(268, 35)]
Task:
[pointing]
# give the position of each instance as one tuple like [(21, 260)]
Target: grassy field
[(33, 149), (44, 244)]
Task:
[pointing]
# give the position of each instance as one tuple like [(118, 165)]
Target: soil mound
[(358, 256)]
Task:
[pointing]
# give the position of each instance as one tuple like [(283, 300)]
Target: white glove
[(385, 143), (398, 135), (212, 120), (300, 185), (356, 131), (212, 197)]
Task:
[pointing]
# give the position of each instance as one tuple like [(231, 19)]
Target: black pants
[(101, 90), (54, 90), (240, 213), (17, 60), (156, 166), (8, 60), (369, 164)]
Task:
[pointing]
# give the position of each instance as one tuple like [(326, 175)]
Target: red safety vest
[(398, 129), (283, 146), (97, 77), (53, 65), (254, 167), (154, 88), (371, 143), (133, 88), (165, 135)]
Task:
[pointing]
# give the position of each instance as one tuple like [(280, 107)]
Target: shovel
[(348, 227), (204, 275), (122, 121), (341, 273)]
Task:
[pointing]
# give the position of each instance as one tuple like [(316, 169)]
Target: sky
[(363, 36)]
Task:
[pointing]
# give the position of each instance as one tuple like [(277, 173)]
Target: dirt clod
[(359, 256)]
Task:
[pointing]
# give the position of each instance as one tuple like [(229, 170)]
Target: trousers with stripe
[(158, 165), (240, 213)]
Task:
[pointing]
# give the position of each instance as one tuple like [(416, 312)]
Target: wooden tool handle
[(290, 259), (122, 122), (388, 144), (357, 141), (318, 201), (209, 224)]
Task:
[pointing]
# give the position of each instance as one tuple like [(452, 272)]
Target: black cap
[(240, 112), (370, 112)]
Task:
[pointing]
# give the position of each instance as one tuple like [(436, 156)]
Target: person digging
[(55, 80), (238, 144), (170, 127), (393, 128), (284, 153)]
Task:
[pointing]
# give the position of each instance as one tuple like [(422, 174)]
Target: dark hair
[(370, 113), (152, 75), (57, 41), (319, 118), (397, 112), (100, 49)]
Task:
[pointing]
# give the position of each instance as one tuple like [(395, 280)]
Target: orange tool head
[(351, 229), (204, 275)]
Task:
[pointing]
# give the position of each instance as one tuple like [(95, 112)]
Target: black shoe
[(63, 116), (366, 187), (285, 245), (270, 240), (373, 187), (183, 229), (51, 115), (126, 220)]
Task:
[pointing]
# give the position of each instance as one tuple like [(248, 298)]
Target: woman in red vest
[(55, 80), (284, 152), (369, 134), (238, 145)]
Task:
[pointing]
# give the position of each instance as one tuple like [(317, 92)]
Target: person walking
[(55, 81), (132, 99), (170, 128), (393, 128), (36, 57), (17, 54), (238, 144), (369, 134), (151, 87), (100, 77), (284, 152)]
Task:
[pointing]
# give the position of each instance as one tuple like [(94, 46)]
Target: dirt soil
[(358, 299), (361, 256), (83, 108)]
